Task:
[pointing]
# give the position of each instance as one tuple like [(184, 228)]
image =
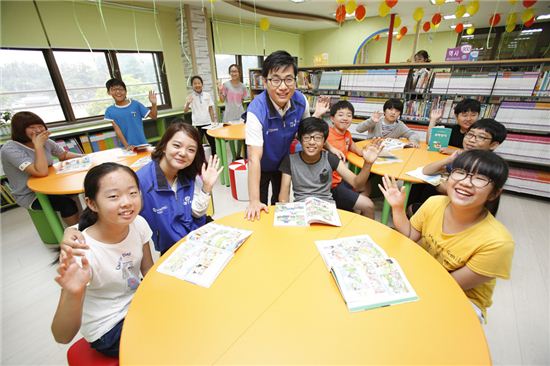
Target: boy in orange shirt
[(346, 198)]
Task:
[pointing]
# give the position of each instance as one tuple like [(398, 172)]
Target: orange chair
[(82, 354)]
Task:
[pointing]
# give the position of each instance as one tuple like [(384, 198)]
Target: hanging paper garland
[(470, 30), (529, 3), (397, 21), (341, 14), (264, 24), (512, 2), (436, 19), (530, 22), (340, 2), (439, 2), (403, 31), (512, 18), (391, 3), (426, 26), (398, 37), (527, 14), (494, 19), (473, 7), (360, 12), (351, 6), (459, 28), (510, 28), (418, 14), (377, 37), (383, 9), (460, 11)]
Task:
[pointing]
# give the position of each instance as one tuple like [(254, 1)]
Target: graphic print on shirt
[(128, 271)]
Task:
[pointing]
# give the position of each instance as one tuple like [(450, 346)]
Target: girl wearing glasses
[(458, 230), (233, 92)]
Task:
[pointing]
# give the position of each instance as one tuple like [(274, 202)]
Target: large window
[(245, 63), (69, 85)]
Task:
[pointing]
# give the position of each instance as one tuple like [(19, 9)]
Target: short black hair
[(195, 77), (495, 129), (424, 55), (19, 123), (484, 162), (278, 60), (467, 105), (310, 125), (394, 103), (114, 82), (341, 104)]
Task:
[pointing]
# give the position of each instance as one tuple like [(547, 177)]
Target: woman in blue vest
[(175, 186)]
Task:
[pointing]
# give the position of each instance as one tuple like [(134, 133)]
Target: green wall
[(342, 43), (20, 27), (230, 37)]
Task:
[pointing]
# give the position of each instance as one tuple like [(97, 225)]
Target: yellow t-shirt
[(486, 248)]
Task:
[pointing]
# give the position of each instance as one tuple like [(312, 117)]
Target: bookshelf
[(514, 92)]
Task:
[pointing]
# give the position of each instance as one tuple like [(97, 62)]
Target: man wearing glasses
[(272, 121)]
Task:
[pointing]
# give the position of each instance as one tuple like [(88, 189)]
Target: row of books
[(529, 181), (525, 115), (86, 144), (70, 144), (524, 148), (384, 80), (256, 80)]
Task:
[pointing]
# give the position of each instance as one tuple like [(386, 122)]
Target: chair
[(82, 354), (41, 224)]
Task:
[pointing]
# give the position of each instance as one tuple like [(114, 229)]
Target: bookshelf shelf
[(514, 92)]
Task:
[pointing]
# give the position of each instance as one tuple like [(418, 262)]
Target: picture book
[(73, 165), (439, 138), (311, 211), (366, 277), (205, 253), (434, 180)]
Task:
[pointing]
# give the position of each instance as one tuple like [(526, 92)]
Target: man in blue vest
[(272, 121)]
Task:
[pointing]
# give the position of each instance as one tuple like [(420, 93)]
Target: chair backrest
[(82, 354)]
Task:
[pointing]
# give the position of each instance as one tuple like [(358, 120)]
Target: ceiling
[(324, 11)]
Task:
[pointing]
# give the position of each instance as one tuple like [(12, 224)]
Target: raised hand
[(189, 99), (376, 116), (72, 277), (210, 173), (322, 106), (436, 114), (371, 152), (152, 97), (220, 87), (392, 193)]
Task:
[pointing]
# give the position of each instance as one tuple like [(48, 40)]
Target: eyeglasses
[(477, 180), (115, 89), (276, 82), (475, 137), (316, 138)]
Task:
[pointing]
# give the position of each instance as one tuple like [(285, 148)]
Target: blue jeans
[(109, 343)]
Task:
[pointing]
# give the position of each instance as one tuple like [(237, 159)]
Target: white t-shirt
[(200, 114), (254, 136), (115, 278)]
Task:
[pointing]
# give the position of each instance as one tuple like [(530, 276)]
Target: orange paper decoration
[(403, 31), (529, 22), (360, 12), (377, 37), (459, 28), (529, 3), (436, 19), (341, 13), (494, 19), (391, 3), (426, 26)]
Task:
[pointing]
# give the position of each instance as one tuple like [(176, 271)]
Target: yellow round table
[(72, 183), (231, 133), (276, 303)]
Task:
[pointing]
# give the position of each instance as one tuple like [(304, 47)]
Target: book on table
[(434, 180), (73, 165), (310, 211), (366, 277), (439, 138), (205, 253)]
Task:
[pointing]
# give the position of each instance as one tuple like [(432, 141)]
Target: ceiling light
[(529, 31), (447, 1), (543, 16), (452, 16), (465, 26), (468, 37), (348, 16), (297, 1)]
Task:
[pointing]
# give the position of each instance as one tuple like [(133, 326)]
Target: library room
[(160, 160)]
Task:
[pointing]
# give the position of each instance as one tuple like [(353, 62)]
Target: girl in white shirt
[(96, 294)]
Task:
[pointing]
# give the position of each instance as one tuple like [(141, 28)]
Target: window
[(249, 62), (222, 66), (26, 84), (69, 85), (84, 75), (245, 63)]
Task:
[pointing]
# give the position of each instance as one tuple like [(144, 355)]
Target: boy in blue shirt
[(127, 115)]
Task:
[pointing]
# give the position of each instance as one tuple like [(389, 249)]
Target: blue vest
[(169, 215), (278, 132)]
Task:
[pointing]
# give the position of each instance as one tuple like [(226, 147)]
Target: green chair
[(41, 224)]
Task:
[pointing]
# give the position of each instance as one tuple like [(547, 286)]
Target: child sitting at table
[(485, 134), (466, 113), (202, 110), (458, 230), (127, 115), (310, 170), (29, 153), (95, 294), (341, 115), (388, 125)]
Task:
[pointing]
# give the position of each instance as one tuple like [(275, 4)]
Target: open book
[(434, 180), (205, 254), (73, 165), (366, 276), (311, 210)]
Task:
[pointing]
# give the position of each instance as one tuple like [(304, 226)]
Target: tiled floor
[(517, 332)]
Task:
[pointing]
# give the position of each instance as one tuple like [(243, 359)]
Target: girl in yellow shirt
[(458, 230)]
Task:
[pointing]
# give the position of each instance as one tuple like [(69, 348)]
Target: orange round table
[(411, 159), (72, 183), (276, 303), (222, 135)]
